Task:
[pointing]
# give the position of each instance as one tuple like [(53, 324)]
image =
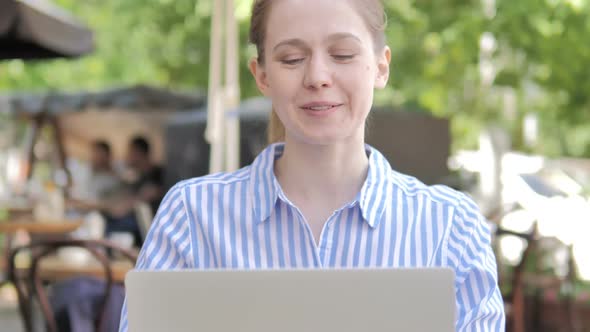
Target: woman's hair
[(370, 10)]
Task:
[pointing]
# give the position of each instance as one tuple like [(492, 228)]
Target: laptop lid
[(321, 300)]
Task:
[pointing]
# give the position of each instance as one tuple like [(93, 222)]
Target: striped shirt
[(244, 220)]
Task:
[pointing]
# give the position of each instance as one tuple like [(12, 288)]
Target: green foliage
[(542, 55)]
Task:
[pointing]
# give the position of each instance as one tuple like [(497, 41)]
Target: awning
[(37, 29), (140, 98), (114, 115)]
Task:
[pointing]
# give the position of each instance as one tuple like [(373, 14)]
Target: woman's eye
[(292, 61), (343, 57)]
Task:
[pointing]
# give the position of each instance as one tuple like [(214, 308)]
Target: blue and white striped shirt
[(244, 220)]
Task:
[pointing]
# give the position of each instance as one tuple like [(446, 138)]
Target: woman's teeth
[(319, 108)]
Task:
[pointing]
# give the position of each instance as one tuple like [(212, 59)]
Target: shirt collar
[(263, 187), (376, 190), (372, 200)]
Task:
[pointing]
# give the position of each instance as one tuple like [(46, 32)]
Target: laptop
[(319, 300)]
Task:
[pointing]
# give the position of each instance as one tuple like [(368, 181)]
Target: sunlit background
[(503, 86)]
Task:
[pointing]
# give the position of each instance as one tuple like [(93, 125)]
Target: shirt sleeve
[(167, 245), (479, 302)]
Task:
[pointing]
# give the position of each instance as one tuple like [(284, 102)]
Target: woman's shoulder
[(221, 178), (464, 213), (440, 193), (410, 187)]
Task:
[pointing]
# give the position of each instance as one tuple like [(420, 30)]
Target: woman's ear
[(383, 60), (259, 74)]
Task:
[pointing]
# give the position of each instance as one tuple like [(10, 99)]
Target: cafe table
[(56, 268), (50, 227), (26, 223)]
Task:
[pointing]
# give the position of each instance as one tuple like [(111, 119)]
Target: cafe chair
[(527, 315), (514, 300), (32, 288)]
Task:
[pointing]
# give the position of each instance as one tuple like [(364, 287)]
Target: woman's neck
[(329, 175)]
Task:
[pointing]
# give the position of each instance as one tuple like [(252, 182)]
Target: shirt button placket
[(326, 241)]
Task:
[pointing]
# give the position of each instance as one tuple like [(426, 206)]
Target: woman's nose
[(317, 74)]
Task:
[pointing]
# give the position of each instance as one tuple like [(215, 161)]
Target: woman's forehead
[(314, 19)]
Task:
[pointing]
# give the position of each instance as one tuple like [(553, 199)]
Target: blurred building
[(414, 143)]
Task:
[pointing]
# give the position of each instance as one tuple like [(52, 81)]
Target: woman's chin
[(321, 138)]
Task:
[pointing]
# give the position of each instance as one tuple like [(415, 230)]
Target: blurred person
[(145, 186), (103, 183), (148, 180), (76, 302)]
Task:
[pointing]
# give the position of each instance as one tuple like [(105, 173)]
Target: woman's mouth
[(320, 108)]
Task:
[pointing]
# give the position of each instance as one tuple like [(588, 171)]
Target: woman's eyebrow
[(343, 35), (291, 42), (296, 42)]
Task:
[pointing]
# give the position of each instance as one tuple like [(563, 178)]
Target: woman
[(324, 199)]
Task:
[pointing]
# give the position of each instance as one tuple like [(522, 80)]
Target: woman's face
[(320, 69)]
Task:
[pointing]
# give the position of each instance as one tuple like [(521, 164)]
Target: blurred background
[(490, 97)]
